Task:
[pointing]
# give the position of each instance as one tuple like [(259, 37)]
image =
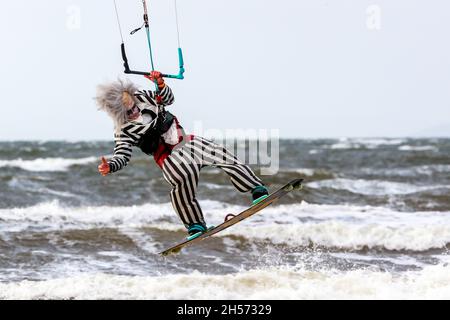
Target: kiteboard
[(232, 219)]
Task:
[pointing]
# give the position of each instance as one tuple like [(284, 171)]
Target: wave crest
[(46, 164), (432, 282)]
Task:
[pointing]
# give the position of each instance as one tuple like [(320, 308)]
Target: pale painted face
[(133, 111)]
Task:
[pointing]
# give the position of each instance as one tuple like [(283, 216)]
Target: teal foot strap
[(198, 234), (195, 235), (256, 201)]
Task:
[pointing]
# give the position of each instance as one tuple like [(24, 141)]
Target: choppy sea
[(373, 222)]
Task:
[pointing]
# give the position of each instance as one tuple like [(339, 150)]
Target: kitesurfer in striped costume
[(141, 120)]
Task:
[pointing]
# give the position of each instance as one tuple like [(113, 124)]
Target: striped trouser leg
[(182, 169), (182, 173), (212, 154)]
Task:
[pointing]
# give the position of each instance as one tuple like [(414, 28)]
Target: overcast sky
[(310, 68)]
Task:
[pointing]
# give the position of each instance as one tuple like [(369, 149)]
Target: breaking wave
[(418, 148), (46, 164), (372, 187), (433, 282), (331, 226), (369, 143)]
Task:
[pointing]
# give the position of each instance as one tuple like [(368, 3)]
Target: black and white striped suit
[(182, 169)]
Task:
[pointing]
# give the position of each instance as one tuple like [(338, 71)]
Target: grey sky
[(309, 68)]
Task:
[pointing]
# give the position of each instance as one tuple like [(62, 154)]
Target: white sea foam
[(337, 226), (304, 171), (345, 145), (344, 235), (372, 187), (373, 142), (46, 164), (369, 143), (213, 186), (414, 171), (52, 215), (349, 227), (433, 282), (418, 148)]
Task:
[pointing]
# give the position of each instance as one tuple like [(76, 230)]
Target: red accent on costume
[(164, 150)]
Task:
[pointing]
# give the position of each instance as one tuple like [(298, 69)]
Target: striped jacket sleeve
[(148, 96), (122, 153)]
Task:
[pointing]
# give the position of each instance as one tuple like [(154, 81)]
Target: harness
[(151, 139)]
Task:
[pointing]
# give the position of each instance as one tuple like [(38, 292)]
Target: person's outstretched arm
[(121, 157)]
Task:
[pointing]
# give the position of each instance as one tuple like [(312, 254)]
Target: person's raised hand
[(156, 76)]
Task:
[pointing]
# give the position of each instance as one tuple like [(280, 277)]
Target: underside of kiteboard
[(232, 219)]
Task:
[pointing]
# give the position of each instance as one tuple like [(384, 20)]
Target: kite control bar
[(126, 65), (179, 76)]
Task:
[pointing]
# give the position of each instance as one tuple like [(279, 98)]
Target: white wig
[(109, 99)]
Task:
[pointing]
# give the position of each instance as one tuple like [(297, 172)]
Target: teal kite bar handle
[(180, 58), (180, 75)]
